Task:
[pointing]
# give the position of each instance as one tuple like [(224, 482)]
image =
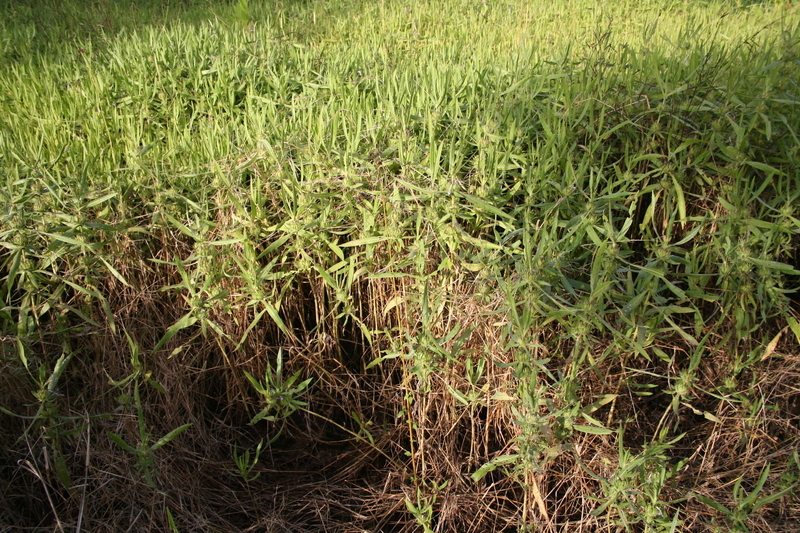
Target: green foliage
[(422, 506), (143, 450), (242, 12), (746, 504), (633, 493), (535, 225), (245, 464), (279, 395)]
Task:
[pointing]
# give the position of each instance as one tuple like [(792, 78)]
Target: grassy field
[(399, 266)]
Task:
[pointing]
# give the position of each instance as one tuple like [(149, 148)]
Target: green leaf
[(303, 385), (62, 471), (366, 241), (775, 265), (183, 229), (68, 240), (288, 383), (766, 500), (681, 201), (155, 384), (184, 322), (250, 327), (482, 204), (121, 443), (277, 244), (261, 415), (114, 272), (171, 522), (412, 508), (458, 395), (102, 199), (794, 326), (753, 496), (381, 359), (226, 242), (711, 503), (593, 430), (763, 167), (597, 404), (169, 436), (335, 248), (273, 313), (493, 464), (256, 384)]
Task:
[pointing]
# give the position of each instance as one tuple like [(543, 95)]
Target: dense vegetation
[(399, 265)]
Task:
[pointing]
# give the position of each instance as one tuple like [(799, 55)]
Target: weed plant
[(503, 266)]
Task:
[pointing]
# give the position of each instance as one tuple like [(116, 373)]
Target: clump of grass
[(496, 277)]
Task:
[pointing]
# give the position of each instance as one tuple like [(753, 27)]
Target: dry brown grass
[(317, 477)]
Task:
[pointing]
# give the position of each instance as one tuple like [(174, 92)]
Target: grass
[(502, 266)]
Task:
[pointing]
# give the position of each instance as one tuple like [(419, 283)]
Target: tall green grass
[(399, 266)]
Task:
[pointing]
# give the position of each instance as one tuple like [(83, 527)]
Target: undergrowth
[(392, 266)]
